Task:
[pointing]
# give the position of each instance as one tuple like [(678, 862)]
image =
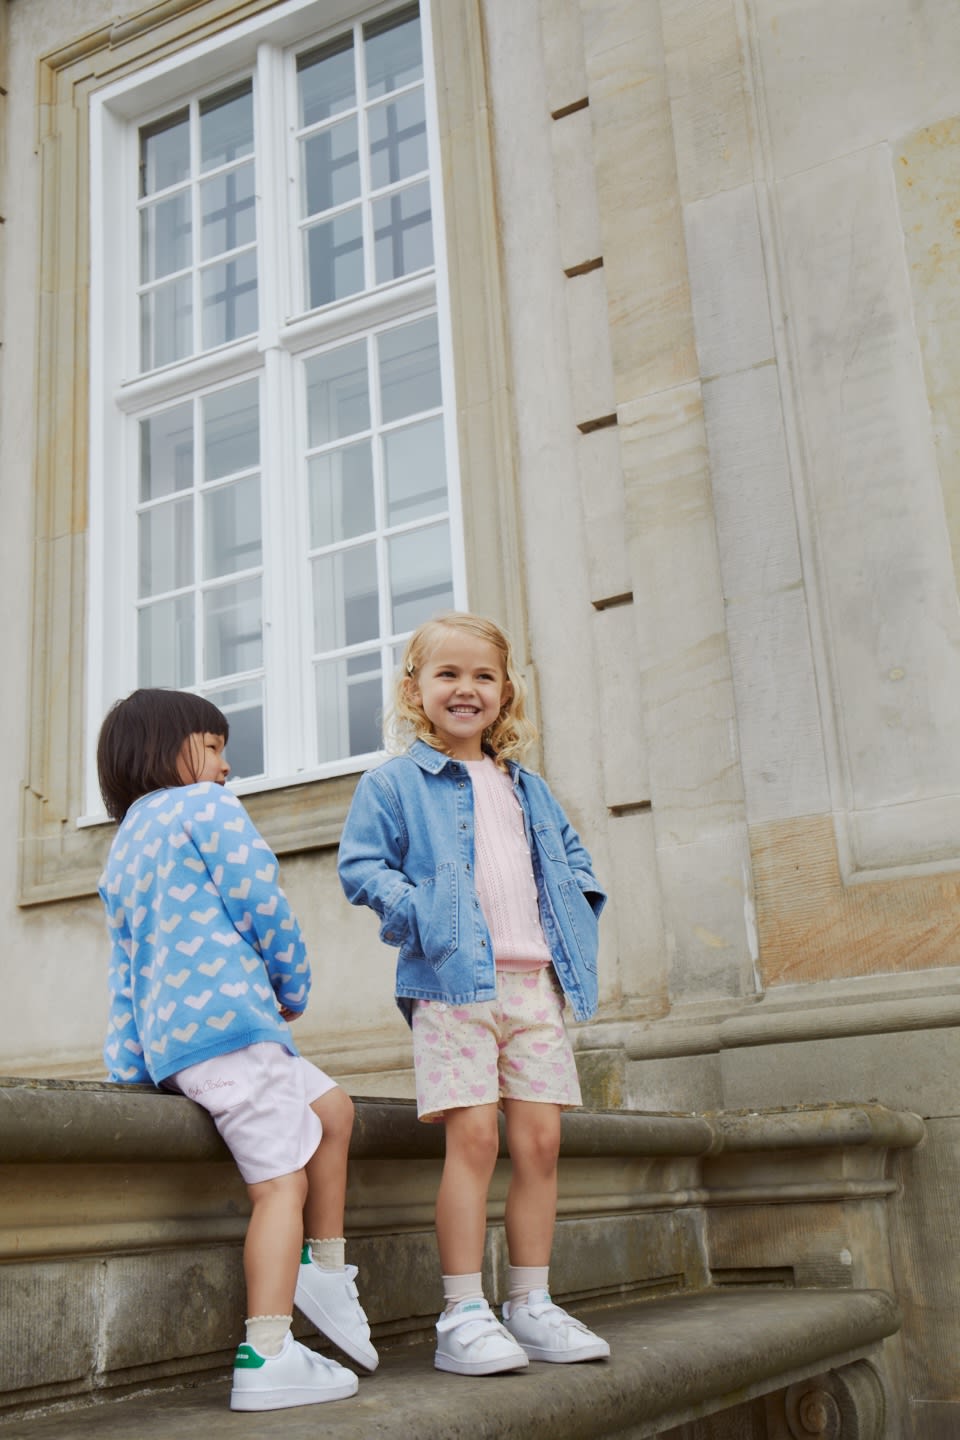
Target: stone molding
[(886, 1004), (58, 860), (845, 1404)]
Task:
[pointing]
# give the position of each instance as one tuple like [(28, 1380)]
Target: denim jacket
[(407, 851)]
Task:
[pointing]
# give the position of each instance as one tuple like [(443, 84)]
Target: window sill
[(67, 864)]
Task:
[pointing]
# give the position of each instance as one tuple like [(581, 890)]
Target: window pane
[(231, 430), (420, 575), (166, 452), (349, 706), (165, 237), (243, 707), (165, 643), (228, 211), (409, 369), (165, 542), (345, 598), (165, 153), (392, 51), (230, 300), (233, 630), (402, 233), (231, 528), (166, 316), (331, 167), (326, 82), (338, 399), (334, 259), (415, 471), (341, 494), (398, 139), (226, 126)]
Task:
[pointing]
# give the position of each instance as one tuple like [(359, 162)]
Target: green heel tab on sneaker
[(247, 1358), (305, 1256)]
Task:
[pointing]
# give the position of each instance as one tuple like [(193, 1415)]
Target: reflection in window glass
[(338, 398), (166, 452), (398, 139), (229, 300), (165, 237), (345, 596), (334, 259), (231, 528), (233, 629), (349, 707), (165, 153), (165, 648), (340, 486), (409, 369), (331, 167), (166, 547), (231, 430), (228, 211), (421, 581), (393, 52), (325, 81), (243, 707), (226, 126), (415, 471), (166, 324), (402, 233)]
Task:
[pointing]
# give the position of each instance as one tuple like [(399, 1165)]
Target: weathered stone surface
[(672, 1361)]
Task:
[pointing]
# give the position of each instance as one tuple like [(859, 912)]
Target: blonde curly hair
[(511, 734)]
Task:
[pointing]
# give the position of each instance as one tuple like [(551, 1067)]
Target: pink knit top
[(506, 888)]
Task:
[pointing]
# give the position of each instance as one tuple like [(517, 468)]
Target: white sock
[(521, 1279), (329, 1254), (461, 1287), (266, 1333)]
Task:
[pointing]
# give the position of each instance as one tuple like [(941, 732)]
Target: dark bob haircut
[(141, 739)]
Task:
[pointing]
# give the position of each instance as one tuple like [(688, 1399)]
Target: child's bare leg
[(271, 1251), (471, 1153), (326, 1170), (533, 1136)]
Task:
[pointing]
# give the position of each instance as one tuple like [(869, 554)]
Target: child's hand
[(287, 1014)]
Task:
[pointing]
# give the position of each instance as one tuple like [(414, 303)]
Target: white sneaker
[(548, 1333), (471, 1341), (294, 1377), (329, 1299)]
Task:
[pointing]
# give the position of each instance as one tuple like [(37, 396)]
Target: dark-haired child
[(208, 966)]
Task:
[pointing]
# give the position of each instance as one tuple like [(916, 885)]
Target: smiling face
[(462, 687), (202, 758)]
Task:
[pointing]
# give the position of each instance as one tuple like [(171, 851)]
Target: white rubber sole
[(479, 1367), (287, 1396), (567, 1357)]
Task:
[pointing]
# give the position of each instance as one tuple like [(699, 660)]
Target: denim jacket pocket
[(550, 841), (433, 913), (583, 922)]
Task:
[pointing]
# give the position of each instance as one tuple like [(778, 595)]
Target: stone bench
[(122, 1217), (675, 1361)]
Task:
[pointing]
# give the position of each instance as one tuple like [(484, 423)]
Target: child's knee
[(336, 1112)]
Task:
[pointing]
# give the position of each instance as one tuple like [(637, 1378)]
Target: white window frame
[(264, 46)]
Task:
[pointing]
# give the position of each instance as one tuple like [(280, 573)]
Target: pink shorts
[(260, 1099), (514, 1047)]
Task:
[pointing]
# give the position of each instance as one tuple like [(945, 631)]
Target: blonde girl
[(481, 882)]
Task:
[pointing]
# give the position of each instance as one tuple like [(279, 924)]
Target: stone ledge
[(674, 1360), (89, 1121)]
